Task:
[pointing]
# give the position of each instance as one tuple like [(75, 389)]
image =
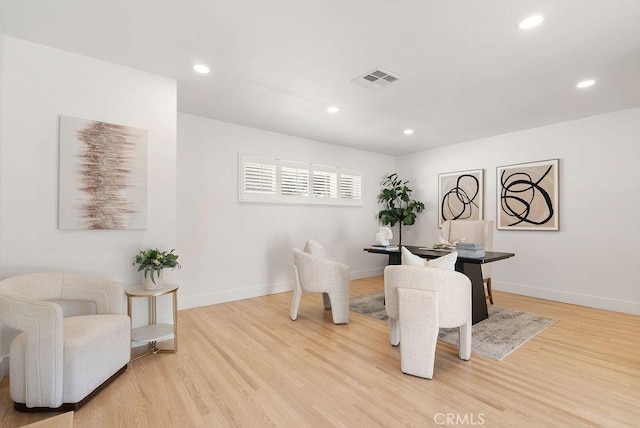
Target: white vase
[(149, 284)]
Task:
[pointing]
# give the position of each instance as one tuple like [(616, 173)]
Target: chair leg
[(464, 341), (326, 300), (489, 293), (338, 302), (419, 330), (297, 294), (394, 332)]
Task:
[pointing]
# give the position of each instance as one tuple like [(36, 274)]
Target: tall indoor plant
[(395, 197)]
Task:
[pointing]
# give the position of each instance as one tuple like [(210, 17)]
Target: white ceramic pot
[(159, 281)]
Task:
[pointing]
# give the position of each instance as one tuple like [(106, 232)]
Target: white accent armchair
[(58, 363), (313, 271), (473, 231), (419, 301)]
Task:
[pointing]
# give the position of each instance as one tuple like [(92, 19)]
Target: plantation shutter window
[(294, 179), (272, 180), (325, 182), (351, 185), (257, 178)]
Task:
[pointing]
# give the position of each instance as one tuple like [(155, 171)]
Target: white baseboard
[(366, 273), (258, 291), (616, 305), (233, 295)]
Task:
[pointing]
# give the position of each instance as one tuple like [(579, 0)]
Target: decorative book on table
[(384, 247), (474, 250)]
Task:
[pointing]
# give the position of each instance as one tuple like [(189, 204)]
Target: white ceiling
[(466, 71)]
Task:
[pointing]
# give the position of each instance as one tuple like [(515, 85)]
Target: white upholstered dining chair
[(419, 301), (314, 271), (473, 231), (75, 338)]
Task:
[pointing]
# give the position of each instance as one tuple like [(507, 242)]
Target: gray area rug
[(496, 337)]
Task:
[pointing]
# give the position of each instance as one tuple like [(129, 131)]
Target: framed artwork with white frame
[(527, 196), (460, 195)]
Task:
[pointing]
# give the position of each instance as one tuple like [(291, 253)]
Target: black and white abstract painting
[(527, 196), (103, 175), (460, 195)]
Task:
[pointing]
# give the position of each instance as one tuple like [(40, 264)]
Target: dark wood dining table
[(470, 266)]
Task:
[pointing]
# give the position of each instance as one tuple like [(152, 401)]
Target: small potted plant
[(153, 262)]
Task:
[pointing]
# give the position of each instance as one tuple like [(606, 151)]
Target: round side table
[(153, 333)]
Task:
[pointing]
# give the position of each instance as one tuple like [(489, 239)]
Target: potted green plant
[(153, 262), (398, 205)]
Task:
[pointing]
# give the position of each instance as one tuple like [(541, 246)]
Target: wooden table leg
[(478, 300), (395, 259)]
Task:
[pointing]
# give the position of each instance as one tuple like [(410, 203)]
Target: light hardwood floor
[(247, 364)]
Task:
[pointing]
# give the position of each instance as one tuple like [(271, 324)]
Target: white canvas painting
[(103, 175)]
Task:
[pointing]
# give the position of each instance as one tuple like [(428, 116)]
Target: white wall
[(5, 335), (233, 250), (40, 84), (593, 259)]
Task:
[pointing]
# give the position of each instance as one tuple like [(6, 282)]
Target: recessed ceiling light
[(333, 109), (201, 68), (585, 83), (530, 22), (408, 132)]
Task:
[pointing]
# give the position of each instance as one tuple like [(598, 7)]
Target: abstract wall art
[(103, 175), (460, 195), (527, 196)]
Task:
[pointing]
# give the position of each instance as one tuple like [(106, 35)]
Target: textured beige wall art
[(528, 196), (460, 195), (103, 175)]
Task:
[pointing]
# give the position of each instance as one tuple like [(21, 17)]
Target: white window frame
[(357, 191), (336, 198), (302, 184), (249, 196), (332, 173)]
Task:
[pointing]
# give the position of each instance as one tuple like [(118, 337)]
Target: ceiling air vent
[(375, 79)]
